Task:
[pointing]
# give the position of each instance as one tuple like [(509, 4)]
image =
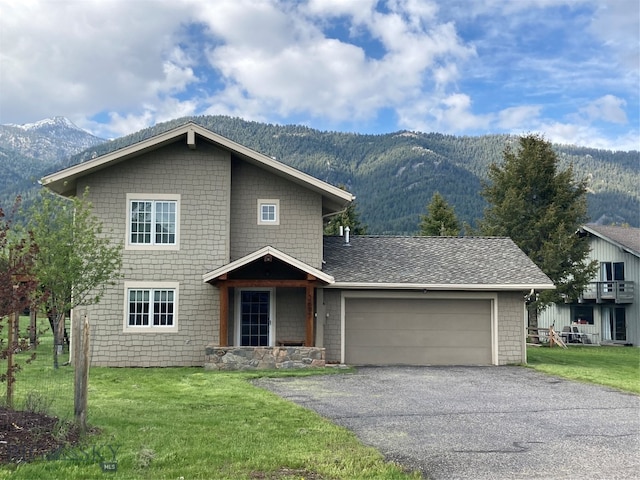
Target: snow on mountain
[(48, 140)]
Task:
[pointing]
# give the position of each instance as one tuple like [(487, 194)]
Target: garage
[(417, 331)]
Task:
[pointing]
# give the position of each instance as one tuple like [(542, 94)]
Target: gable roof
[(274, 252), (64, 181), (627, 238), (438, 263)]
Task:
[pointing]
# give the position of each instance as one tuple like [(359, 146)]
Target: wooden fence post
[(10, 350), (33, 326), (81, 378)]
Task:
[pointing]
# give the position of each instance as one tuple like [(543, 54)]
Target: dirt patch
[(287, 473), (25, 436)]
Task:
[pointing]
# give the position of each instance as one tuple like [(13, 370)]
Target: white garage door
[(405, 331)]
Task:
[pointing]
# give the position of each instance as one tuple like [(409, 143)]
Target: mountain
[(395, 175), (48, 140)]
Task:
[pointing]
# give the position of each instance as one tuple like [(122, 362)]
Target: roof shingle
[(626, 236), (474, 261)]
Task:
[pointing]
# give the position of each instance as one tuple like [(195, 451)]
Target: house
[(608, 311), (225, 265)]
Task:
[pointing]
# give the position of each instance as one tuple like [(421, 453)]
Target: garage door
[(394, 331)]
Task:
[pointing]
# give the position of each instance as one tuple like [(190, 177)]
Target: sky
[(566, 69)]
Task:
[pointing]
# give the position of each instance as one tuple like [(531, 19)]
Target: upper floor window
[(153, 221), (268, 212), (612, 271)]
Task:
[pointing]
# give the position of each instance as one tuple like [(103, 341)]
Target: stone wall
[(262, 358)]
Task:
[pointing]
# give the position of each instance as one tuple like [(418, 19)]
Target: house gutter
[(440, 286)]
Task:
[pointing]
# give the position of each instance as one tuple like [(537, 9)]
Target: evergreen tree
[(541, 209), (440, 220), (349, 217)]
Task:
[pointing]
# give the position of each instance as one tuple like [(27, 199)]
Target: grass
[(617, 367), (172, 423)]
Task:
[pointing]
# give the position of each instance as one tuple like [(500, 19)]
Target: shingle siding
[(201, 177), (299, 233), (511, 330), (290, 314), (332, 326)]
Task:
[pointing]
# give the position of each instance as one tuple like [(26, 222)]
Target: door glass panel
[(618, 271), (620, 324), (254, 321)]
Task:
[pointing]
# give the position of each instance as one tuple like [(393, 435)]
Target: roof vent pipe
[(346, 235), (341, 230)]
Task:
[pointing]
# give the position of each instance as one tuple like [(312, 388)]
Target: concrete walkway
[(480, 422)]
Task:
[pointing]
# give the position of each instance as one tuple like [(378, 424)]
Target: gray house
[(608, 311), (225, 265)]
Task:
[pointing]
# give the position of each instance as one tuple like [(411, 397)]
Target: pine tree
[(441, 220), (349, 217), (541, 209)]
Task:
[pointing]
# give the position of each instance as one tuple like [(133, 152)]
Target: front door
[(255, 311)]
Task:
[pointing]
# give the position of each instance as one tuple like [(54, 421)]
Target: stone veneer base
[(262, 358)]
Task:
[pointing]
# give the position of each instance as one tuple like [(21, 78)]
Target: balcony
[(618, 291)]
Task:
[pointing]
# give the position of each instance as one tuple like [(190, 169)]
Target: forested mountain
[(27, 151), (395, 175), (48, 140)]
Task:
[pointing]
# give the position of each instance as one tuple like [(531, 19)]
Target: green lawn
[(172, 423), (617, 367)]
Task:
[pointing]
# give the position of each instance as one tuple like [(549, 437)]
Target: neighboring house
[(608, 310), (225, 265)]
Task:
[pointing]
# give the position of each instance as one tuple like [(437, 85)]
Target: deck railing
[(618, 291)]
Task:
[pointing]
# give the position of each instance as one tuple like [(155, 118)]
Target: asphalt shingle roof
[(426, 261), (625, 236)]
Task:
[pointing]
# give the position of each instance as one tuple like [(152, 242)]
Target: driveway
[(480, 422)]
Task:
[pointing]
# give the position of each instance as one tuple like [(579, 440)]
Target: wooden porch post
[(224, 313), (309, 323)]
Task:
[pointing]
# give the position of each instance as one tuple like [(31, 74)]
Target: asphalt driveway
[(480, 422)]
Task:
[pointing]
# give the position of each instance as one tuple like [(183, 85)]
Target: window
[(153, 221), (268, 212), (151, 307), (582, 314)]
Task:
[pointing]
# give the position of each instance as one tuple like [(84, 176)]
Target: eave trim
[(268, 250), (442, 286)]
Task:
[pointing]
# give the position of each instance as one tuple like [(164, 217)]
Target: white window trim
[(268, 201), (128, 285), (152, 197)]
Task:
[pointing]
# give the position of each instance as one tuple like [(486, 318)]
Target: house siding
[(290, 314), (603, 251), (202, 178), (511, 328), (332, 325), (299, 233)]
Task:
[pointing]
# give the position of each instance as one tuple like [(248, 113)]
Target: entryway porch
[(266, 313)]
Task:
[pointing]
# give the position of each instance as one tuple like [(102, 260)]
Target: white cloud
[(616, 23), (516, 118), (77, 58), (608, 108), (586, 135), (449, 66), (300, 70), (447, 114)]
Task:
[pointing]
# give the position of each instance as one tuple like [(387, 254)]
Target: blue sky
[(568, 69)]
